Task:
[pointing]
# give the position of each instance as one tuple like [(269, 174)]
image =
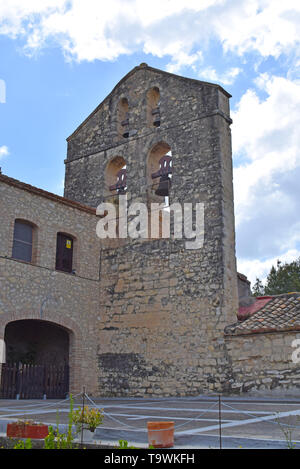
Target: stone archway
[(37, 360), (64, 323), (36, 342)]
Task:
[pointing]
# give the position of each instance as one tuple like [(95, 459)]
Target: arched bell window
[(116, 177), (159, 180), (159, 173), (153, 107), (123, 118)]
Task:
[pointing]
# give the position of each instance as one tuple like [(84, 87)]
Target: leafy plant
[(287, 434), (87, 418), (23, 445), (57, 440), (123, 444)]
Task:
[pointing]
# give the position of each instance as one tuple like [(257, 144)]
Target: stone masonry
[(145, 316), (163, 308), (36, 290)]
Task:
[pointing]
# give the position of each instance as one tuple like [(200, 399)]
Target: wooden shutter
[(64, 253), (22, 244)]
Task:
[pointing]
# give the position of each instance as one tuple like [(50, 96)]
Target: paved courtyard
[(245, 422)]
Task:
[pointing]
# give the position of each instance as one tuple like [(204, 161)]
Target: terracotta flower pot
[(88, 435), (15, 430), (161, 434)]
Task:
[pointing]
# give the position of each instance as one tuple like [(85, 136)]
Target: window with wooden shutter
[(22, 244), (64, 253)]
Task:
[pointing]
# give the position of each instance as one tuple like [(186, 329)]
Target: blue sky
[(59, 59)]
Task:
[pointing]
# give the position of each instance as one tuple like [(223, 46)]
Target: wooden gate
[(33, 381)]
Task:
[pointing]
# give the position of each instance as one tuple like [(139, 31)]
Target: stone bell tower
[(162, 307)]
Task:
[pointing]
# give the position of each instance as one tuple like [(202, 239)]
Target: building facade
[(142, 316)]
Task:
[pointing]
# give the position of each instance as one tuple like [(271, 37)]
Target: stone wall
[(163, 307), (162, 328), (244, 291), (262, 363), (153, 322), (145, 317)]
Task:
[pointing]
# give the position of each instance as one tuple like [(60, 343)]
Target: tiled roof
[(246, 311), (279, 313)]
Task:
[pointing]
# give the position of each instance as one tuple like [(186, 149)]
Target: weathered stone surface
[(36, 290), (263, 362), (146, 317), (159, 301)]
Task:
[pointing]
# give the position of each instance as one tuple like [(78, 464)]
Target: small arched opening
[(159, 173), (25, 241), (115, 178), (159, 179), (37, 360), (123, 118), (65, 244), (153, 107)]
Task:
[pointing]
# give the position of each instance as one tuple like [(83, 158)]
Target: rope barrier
[(175, 427), (36, 407), (32, 409), (197, 417), (108, 415), (267, 421)]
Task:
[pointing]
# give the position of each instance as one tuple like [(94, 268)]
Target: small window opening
[(121, 185), (123, 118), (162, 177), (116, 177), (22, 243), (153, 107), (64, 253)]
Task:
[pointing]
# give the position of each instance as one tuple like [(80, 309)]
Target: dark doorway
[(37, 360)]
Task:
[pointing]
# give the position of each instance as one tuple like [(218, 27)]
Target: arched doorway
[(37, 360)]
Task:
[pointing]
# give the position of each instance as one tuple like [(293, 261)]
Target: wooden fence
[(24, 381)]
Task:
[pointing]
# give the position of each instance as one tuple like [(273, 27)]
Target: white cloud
[(184, 59), (266, 133), (260, 268), (2, 91), (227, 77), (266, 142), (3, 151), (92, 30), (269, 27)]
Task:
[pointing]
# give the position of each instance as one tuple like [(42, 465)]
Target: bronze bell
[(156, 114), (163, 186), (156, 121)]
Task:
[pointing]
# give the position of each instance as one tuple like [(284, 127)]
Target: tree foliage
[(258, 288), (284, 278)]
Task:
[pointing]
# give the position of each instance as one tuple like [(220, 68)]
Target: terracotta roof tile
[(279, 313), (246, 311)]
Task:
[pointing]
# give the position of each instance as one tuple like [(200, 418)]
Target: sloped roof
[(280, 313), (48, 195), (246, 311), (147, 67)]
